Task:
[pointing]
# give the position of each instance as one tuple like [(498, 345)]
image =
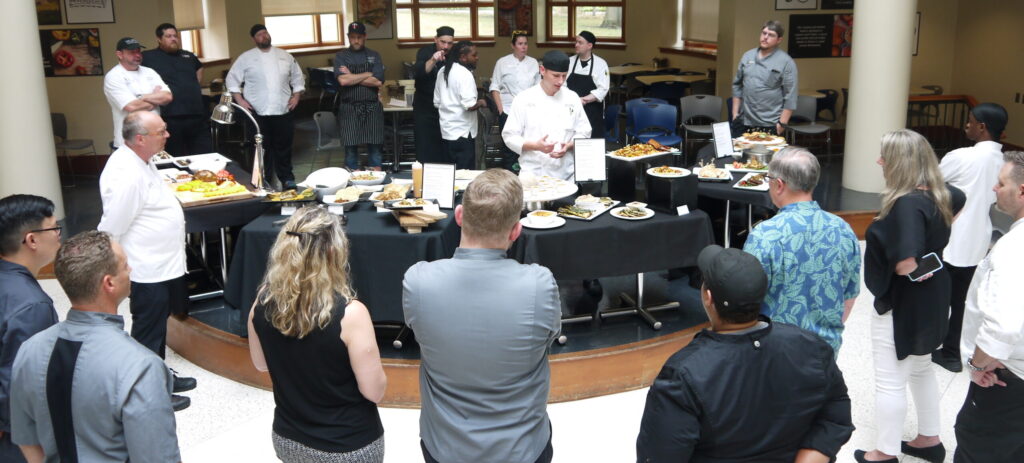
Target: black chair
[(803, 123), (66, 146), (828, 103), (846, 100)]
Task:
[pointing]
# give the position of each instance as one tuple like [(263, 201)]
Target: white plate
[(762, 187), (615, 213), (549, 189), (378, 175), (329, 199), (682, 173), (558, 222), (600, 209), (373, 196), (730, 168), (612, 155)]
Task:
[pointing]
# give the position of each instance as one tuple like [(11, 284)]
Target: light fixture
[(223, 113)]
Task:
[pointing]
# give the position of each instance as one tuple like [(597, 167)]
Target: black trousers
[(189, 135), (278, 134), (427, 133), (9, 451), (988, 427), (960, 282), (545, 456), (150, 305), (509, 158), (461, 152)]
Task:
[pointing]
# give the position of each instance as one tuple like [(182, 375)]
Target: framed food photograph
[(71, 52), (796, 4), (515, 16), (48, 12), (377, 16), (89, 11)]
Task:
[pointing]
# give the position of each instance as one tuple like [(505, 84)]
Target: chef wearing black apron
[(588, 77), (360, 113), (427, 128)]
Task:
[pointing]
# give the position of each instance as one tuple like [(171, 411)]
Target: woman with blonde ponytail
[(910, 322), (317, 341)]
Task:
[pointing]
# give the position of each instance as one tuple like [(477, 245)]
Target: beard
[(264, 45), (470, 66)]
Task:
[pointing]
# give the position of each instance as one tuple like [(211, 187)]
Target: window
[(191, 41), (418, 20), (305, 30), (566, 18)]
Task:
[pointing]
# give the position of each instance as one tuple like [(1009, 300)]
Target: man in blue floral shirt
[(812, 257)]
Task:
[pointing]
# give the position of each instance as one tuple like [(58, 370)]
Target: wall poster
[(48, 12), (820, 36), (71, 52), (377, 16), (89, 11), (513, 16)]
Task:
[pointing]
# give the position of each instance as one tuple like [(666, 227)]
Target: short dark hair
[(993, 116), (163, 27), (774, 26), (81, 264), (454, 53), (18, 215)]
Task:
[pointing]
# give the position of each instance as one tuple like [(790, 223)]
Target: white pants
[(891, 378)]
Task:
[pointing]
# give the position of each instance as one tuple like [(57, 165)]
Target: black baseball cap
[(445, 30), (588, 36), (255, 29), (556, 60), (128, 43), (735, 277), (357, 28)]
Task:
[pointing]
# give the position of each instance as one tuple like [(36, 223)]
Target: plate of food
[(391, 192), (640, 151), (368, 177), (668, 172), (587, 207), (710, 173), (291, 196), (162, 158), (544, 188), (346, 196), (542, 220), (753, 181), (752, 165), (758, 138), (632, 213), (409, 203)]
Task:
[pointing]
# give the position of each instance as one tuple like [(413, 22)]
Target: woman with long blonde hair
[(911, 317), (317, 341)]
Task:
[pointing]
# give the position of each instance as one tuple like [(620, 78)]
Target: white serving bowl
[(327, 181)]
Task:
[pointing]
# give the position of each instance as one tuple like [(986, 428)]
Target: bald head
[(797, 167), (145, 133)]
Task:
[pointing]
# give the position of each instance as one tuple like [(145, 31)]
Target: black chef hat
[(589, 37), (255, 29), (556, 60), (445, 30)]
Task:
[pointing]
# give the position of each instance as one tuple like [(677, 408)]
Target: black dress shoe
[(934, 454), (948, 361), (859, 456), (289, 185), (183, 383), (180, 402)]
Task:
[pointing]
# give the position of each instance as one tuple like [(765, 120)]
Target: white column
[(883, 36), (28, 160)]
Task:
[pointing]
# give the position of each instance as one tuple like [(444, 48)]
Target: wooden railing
[(941, 119)]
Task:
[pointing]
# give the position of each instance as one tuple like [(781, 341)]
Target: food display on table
[(542, 219), (347, 194), (668, 172), (291, 196), (368, 177), (651, 148), (632, 213), (575, 212), (392, 192), (712, 173), (544, 188), (756, 180), (750, 139), (753, 181), (162, 156), (597, 200), (411, 202), (752, 164)]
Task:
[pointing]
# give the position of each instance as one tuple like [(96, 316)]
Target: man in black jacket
[(747, 389), (427, 128)]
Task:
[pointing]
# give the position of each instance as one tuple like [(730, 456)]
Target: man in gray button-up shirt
[(83, 390), (764, 91), (484, 324)]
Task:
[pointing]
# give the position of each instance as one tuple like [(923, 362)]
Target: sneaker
[(183, 383), (180, 402)]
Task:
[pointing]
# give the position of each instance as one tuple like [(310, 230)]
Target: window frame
[(571, 6), (474, 17), (197, 41), (318, 40)]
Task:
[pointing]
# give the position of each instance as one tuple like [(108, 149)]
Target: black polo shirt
[(178, 70), (424, 97)]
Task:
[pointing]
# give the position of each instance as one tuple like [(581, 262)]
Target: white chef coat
[(141, 213), (270, 79), (453, 97), (122, 86), (600, 73), (994, 313), (974, 170), (512, 76), (535, 114)]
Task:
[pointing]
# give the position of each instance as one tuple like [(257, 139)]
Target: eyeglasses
[(40, 230)]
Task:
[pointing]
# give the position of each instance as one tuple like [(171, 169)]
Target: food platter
[(668, 172), (710, 173), (369, 177), (750, 166), (584, 210), (758, 138), (291, 197), (639, 152), (544, 188), (744, 183), (625, 213), (410, 203)]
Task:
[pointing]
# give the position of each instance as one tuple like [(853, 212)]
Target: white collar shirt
[(270, 79), (453, 97), (512, 76), (534, 114), (974, 170), (141, 213), (994, 313), (599, 73), (122, 86)]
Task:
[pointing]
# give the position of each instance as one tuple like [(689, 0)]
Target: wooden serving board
[(413, 221)]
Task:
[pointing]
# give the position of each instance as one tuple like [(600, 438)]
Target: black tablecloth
[(608, 246), (225, 214), (379, 254)]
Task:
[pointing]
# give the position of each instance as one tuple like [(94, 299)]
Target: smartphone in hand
[(926, 265)]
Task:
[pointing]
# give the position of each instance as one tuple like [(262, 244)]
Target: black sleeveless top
[(318, 400)]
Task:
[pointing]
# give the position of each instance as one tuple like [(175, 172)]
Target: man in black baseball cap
[(766, 391), (128, 43), (360, 73)]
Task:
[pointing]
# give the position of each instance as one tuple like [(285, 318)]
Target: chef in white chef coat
[(544, 120)]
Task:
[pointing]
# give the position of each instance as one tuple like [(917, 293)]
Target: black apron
[(583, 85), (360, 114)]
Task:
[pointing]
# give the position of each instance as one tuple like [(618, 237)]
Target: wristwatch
[(970, 364)]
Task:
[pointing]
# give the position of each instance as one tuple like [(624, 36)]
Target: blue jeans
[(352, 156)]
